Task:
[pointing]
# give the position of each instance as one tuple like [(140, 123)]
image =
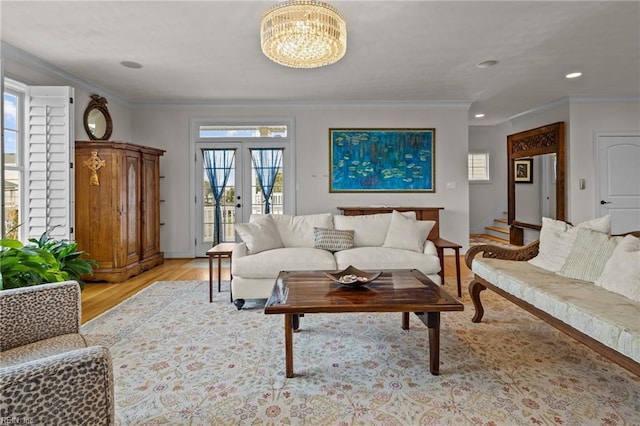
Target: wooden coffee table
[(307, 292)]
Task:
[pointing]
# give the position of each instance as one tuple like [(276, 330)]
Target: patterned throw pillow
[(333, 239), (557, 237), (589, 254)]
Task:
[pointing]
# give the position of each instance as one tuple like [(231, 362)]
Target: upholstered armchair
[(48, 375)]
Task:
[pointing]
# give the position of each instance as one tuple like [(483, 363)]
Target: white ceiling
[(398, 51)]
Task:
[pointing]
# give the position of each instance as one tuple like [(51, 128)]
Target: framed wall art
[(382, 160), (523, 170)]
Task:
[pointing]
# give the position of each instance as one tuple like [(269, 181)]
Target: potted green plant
[(42, 260)]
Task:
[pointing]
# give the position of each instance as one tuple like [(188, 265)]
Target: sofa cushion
[(608, 317), (376, 258), (621, 273), (333, 239), (589, 254), (369, 230), (259, 235), (297, 231), (557, 237), (406, 233), (268, 264)]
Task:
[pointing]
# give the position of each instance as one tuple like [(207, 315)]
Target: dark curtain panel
[(266, 163), (218, 164)]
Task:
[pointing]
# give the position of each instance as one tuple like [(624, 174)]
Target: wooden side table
[(219, 251), (442, 244)]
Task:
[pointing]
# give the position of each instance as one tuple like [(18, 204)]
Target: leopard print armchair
[(48, 375)]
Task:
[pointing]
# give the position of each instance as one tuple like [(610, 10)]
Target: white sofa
[(274, 243), (550, 278)]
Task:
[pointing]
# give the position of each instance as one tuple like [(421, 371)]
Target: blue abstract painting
[(382, 160)]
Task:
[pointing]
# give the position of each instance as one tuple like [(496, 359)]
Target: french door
[(239, 174)]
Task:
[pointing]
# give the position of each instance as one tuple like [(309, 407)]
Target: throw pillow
[(333, 239), (621, 273), (407, 234), (556, 240), (259, 235), (589, 254)]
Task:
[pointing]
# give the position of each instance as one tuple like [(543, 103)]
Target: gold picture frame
[(523, 170)]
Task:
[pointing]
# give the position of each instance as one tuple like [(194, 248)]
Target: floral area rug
[(179, 359)]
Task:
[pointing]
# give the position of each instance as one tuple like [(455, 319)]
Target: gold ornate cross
[(94, 163)]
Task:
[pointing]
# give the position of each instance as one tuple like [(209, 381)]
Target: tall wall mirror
[(97, 120), (536, 180)]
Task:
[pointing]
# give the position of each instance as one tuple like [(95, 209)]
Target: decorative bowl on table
[(353, 277)]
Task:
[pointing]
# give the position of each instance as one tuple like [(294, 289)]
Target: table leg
[(210, 279), (458, 271), (433, 323), (219, 272), (230, 279), (288, 344), (405, 320), (440, 252)]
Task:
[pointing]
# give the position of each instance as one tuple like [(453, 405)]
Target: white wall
[(584, 118), (488, 200), (38, 74), (589, 117), (168, 128)]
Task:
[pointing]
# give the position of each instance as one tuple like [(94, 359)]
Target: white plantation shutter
[(49, 189)]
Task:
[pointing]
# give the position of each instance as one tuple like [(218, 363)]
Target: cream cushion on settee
[(608, 317), (254, 273)]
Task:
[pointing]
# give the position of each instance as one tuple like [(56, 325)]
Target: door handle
[(605, 202)]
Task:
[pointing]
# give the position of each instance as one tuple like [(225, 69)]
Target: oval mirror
[(97, 120)]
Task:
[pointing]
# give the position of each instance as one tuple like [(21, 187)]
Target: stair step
[(494, 238), (500, 220), (497, 229)]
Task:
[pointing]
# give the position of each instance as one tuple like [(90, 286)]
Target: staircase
[(499, 231)]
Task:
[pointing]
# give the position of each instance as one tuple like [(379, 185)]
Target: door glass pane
[(224, 164), (270, 164)]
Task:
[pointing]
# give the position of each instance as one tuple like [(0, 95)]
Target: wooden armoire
[(117, 207)]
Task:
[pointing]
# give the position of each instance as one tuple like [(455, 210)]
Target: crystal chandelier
[(303, 34)]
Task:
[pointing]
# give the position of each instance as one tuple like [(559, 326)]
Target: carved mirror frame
[(99, 104), (547, 139)]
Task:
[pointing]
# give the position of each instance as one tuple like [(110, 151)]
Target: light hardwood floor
[(100, 297)]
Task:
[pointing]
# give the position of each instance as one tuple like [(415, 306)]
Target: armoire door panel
[(150, 205), (131, 214)]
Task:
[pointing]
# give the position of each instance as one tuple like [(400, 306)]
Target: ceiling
[(398, 51)]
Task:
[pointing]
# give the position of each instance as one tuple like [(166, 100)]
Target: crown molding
[(15, 54), (545, 107), (577, 99), (307, 104)]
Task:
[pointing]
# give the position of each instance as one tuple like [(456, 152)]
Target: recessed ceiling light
[(573, 75), (486, 64), (131, 64), (479, 115)]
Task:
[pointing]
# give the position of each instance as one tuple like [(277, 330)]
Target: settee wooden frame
[(479, 284)]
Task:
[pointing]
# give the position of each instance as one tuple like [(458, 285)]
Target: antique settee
[(579, 279)]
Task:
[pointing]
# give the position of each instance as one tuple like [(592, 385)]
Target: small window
[(250, 131), (479, 167)]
